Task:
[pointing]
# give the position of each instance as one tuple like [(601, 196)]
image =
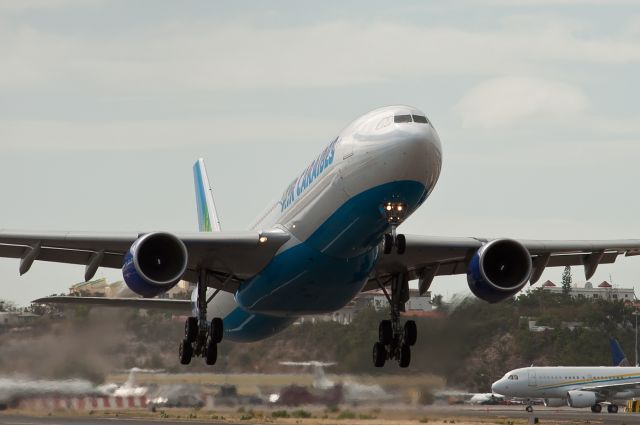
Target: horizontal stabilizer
[(147, 303)]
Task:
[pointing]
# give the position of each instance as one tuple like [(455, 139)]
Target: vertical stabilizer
[(617, 355), (207, 215)]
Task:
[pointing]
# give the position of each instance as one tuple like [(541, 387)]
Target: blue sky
[(105, 105)]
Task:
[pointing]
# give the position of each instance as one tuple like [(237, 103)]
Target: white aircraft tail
[(208, 220), (320, 380)]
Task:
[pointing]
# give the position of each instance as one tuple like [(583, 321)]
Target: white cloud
[(506, 101), (201, 56)]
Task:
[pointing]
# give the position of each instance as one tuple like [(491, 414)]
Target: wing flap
[(183, 306), (69, 256)]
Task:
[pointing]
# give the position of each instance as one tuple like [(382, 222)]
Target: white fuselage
[(333, 211), (556, 382)]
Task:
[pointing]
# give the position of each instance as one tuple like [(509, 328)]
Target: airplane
[(579, 387), (320, 380), (352, 392), (485, 398), (550, 384), (330, 235), (131, 387)]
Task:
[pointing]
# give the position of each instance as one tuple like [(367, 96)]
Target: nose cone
[(497, 387), (419, 153)]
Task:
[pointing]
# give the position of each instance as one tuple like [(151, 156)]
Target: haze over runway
[(104, 106)]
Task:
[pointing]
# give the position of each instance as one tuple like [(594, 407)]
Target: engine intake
[(498, 270), (154, 263), (580, 399)]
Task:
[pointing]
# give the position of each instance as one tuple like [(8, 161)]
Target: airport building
[(417, 305), (604, 291)]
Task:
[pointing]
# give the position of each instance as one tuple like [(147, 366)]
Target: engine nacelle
[(498, 270), (154, 264), (555, 402), (581, 398)]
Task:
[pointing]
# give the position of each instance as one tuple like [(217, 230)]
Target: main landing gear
[(611, 408), (201, 338), (394, 338)]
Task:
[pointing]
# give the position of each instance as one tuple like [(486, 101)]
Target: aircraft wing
[(183, 306), (429, 256), (613, 388), (231, 257)]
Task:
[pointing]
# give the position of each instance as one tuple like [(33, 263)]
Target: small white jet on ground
[(352, 392), (331, 234), (572, 386)]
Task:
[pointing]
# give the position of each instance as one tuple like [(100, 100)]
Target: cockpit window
[(402, 118), (421, 119), (513, 377)]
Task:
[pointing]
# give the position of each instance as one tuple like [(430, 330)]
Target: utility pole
[(635, 313)]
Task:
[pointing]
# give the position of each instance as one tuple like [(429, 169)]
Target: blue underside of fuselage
[(324, 272)]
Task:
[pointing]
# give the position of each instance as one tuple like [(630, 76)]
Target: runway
[(435, 414), (52, 420), (541, 412)]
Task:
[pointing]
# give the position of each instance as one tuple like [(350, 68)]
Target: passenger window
[(402, 118), (421, 119)]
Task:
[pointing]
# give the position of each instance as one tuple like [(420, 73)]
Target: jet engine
[(555, 402), (498, 270), (154, 263), (581, 398)]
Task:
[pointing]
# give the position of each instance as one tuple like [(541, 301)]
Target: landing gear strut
[(394, 338), (201, 338)]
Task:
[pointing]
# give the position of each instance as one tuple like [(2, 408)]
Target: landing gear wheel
[(379, 354), (191, 329), (388, 243), (405, 356), (211, 352), (385, 332), (185, 352), (612, 408), (410, 333), (596, 408), (529, 409), (401, 244), (216, 330)]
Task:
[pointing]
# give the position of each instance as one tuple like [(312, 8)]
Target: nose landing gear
[(394, 338), (201, 338), (395, 213)]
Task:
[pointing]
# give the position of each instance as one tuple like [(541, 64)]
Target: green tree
[(566, 281)]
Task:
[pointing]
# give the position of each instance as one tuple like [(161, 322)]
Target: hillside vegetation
[(471, 345)]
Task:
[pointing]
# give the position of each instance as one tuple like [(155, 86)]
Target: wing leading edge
[(230, 256)]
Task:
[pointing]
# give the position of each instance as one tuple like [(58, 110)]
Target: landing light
[(388, 207), (262, 239)]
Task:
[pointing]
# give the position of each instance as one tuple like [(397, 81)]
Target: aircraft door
[(532, 379)]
